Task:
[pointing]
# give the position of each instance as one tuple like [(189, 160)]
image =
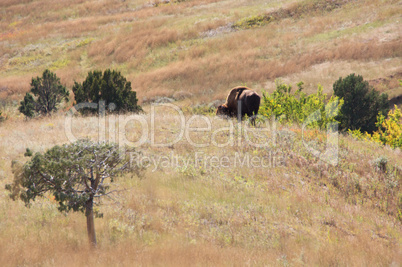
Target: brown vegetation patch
[(134, 43), (220, 72), (389, 82), (392, 85)]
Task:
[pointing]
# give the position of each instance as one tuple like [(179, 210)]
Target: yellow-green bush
[(299, 107), (252, 22), (389, 130)]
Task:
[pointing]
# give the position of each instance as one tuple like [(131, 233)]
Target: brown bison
[(240, 101)]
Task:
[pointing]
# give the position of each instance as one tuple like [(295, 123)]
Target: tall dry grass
[(302, 212), (163, 50), (289, 213), (216, 73)]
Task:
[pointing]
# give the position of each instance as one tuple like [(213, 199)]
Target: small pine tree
[(27, 106), (361, 104), (109, 86), (48, 92)]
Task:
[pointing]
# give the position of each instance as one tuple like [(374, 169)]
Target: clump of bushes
[(366, 114), (109, 86), (299, 107), (47, 94), (389, 130), (362, 104)]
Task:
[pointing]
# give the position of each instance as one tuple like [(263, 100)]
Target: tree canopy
[(47, 92), (362, 104), (109, 86), (75, 174)]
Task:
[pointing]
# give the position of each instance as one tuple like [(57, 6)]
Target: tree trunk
[(89, 213)]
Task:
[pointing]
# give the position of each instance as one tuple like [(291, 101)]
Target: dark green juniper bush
[(109, 86), (362, 104), (47, 92)]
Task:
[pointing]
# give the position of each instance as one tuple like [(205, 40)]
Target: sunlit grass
[(119, 34), (290, 212), (301, 212)]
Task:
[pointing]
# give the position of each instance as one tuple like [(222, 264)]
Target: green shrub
[(27, 106), (362, 104), (299, 107), (252, 22), (47, 92), (389, 130), (110, 87)]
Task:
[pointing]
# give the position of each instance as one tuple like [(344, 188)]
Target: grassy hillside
[(293, 209), (214, 204), (200, 48)]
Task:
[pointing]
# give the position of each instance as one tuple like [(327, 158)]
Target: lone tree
[(48, 92), (362, 104), (110, 87), (75, 174)]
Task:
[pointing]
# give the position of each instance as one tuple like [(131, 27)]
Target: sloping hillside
[(220, 193), (200, 47), (221, 204)]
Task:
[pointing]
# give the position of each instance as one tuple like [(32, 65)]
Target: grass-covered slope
[(206, 205), (201, 47), (213, 205)]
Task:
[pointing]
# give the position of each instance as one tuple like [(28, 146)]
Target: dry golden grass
[(301, 213), (328, 72), (162, 49), (212, 215)]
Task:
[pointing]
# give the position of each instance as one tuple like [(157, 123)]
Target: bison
[(240, 101)]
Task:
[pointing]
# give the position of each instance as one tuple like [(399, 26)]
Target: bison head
[(223, 110)]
